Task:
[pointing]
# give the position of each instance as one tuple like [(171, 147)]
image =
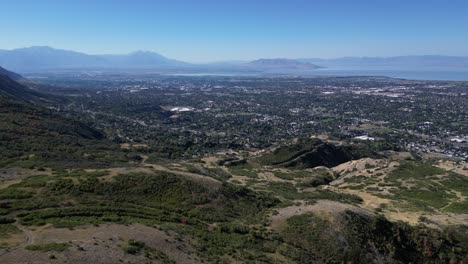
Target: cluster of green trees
[(32, 136)]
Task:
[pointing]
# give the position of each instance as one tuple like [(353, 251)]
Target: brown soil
[(324, 208), (102, 245)]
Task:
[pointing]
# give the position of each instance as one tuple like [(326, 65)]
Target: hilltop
[(310, 153)]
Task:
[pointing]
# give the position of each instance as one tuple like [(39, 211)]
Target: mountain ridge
[(46, 58), (39, 58)]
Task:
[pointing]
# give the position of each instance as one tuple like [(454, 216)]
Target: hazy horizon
[(225, 60), (210, 31)]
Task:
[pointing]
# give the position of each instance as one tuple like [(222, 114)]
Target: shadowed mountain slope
[(309, 153), (35, 135)]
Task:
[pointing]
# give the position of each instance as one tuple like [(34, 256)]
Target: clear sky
[(211, 30)]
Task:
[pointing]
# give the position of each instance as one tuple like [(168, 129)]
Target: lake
[(427, 73)]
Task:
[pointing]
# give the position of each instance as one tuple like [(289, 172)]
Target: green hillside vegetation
[(309, 153), (419, 187), (32, 136), (162, 199), (12, 75), (430, 188), (223, 219), (358, 238), (48, 247), (12, 89), (135, 197)]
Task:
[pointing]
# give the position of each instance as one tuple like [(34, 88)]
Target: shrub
[(58, 247)]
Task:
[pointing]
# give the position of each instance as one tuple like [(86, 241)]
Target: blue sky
[(208, 30)]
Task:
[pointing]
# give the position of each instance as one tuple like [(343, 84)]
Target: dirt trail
[(6, 184), (144, 158), (29, 239), (459, 199), (28, 233)]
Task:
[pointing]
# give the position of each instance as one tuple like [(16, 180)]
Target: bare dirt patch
[(12, 176), (325, 208), (134, 146), (239, 179), (460, 168), (270, 177), (211, 161), (102, 245), (455, 219), (367, 167)]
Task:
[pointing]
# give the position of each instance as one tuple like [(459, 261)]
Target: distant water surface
[(420, 73), (222, 74), (426, 73)]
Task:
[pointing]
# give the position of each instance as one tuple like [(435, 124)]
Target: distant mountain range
[(46, 58), (41, 58)]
